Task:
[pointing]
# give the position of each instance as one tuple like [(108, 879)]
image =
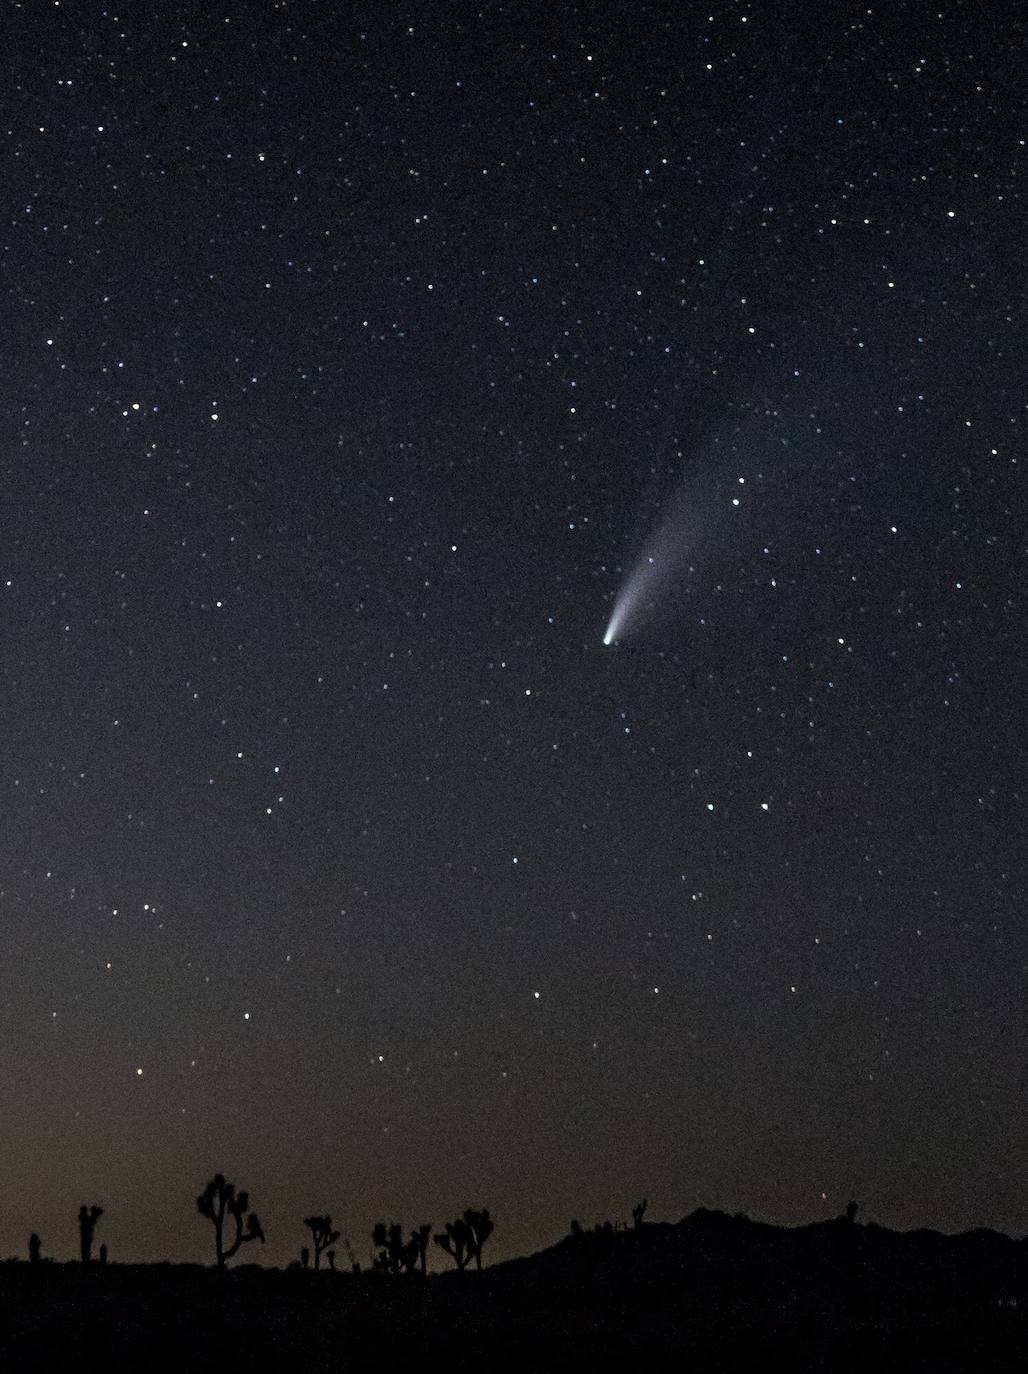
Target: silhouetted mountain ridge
[(712, 1291)]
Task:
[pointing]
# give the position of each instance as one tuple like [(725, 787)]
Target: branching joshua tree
[(457, 1241), (321, 1234), (395, 1255), (420, 1238), (220, 1200), (88, 1217), (480, 1224), (388, 1239), (638, 1212)]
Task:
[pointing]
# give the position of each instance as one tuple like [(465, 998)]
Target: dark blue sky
[(351, 357)]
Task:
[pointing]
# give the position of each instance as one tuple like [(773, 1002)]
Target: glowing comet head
[(655, 574), (635, 595), (617, 617)]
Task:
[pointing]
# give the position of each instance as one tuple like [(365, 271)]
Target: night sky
[(356, 359)]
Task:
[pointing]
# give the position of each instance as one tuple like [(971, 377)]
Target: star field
[(351, 362)]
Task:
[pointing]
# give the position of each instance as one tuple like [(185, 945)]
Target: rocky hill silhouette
[(713, 1292)]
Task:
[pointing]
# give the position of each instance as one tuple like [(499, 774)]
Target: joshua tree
[(461, 1240), (218, 1200), (321, 1234), (34, 1248), (420, 1237), (330, 1255), (388, 1239), (395, 1255), (88, 1217), (638, 1212), (480, 1224), (851, 1211), (103, 1254), (305, 1258), (456, 1241)]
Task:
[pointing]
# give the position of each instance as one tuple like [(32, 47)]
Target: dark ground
[(712, 1293)]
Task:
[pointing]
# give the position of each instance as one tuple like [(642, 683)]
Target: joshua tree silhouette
[(420, 1238), (464, 1238), (35, 1245), (457, 1242), (480, 1224), (395, 1255), (88, 1217), (321, 1234), (639, 1211), (218, 1200)]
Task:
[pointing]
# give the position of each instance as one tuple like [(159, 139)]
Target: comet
[(677, 535), (638, 594)]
